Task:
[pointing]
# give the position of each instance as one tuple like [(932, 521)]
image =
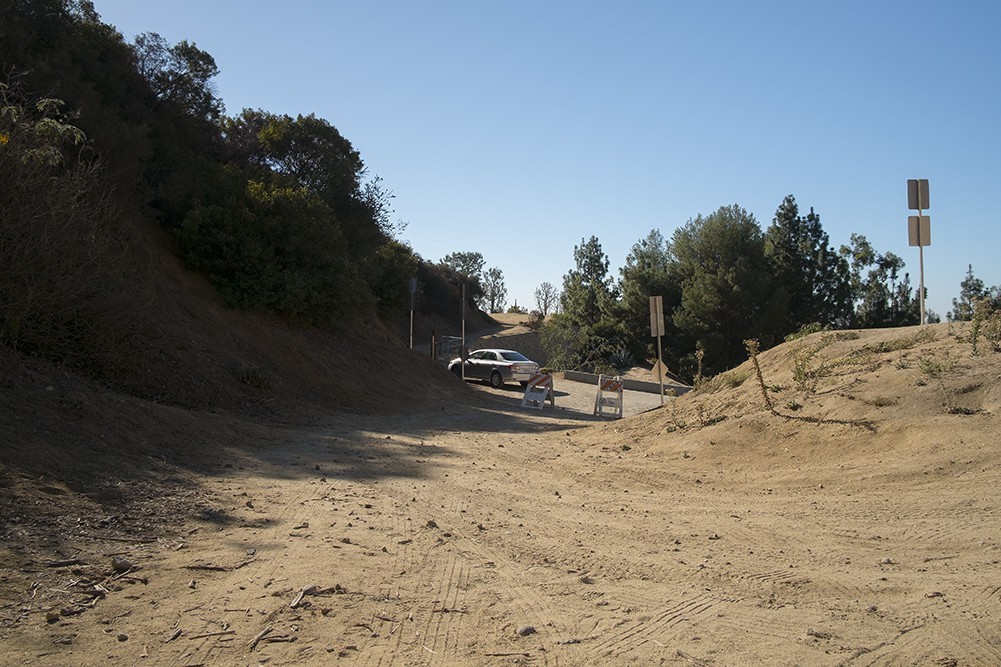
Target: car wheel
[(496, 380)]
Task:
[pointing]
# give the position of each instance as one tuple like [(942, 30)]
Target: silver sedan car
[(496, 366)]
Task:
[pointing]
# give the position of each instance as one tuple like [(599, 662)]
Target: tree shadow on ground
[(84, 468)]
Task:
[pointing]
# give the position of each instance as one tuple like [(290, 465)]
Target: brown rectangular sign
[(918, 230), (917, 194)]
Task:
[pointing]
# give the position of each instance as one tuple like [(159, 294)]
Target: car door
[(483, 364), (475, 365)]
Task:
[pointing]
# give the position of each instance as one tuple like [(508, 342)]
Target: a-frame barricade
[(609, 396), (538, 389)]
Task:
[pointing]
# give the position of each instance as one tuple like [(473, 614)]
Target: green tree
[(465, 264), (882, 297), (546, 298), (179, 76), (813, 279), (274, 250), (314, 153), (727, 290), (588, 333), (588, 294), (647, 273), (494, 291), (970, 290), (394, 264), (466, 268)]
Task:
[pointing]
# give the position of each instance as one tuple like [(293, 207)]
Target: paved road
[(577, 397)]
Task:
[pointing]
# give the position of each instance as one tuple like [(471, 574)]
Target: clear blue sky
[(518, 128)]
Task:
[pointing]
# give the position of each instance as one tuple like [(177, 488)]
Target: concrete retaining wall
[(629, 383)]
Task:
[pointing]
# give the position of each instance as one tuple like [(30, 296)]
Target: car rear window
[(514, 356)]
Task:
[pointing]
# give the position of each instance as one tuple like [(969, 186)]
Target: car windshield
[(514, 356)]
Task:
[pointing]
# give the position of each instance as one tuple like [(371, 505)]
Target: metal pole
[(462, 351), (660, 360), (413, 293), (921, 263), (921, 260)]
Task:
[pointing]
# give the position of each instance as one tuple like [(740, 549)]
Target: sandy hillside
[(854, 523)]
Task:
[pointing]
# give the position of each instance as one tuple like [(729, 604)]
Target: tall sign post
[(462, 314), (657, 330), (413, 291), (919, 229)]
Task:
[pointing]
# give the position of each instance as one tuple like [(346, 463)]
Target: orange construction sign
[(609, 396), (538, 389)]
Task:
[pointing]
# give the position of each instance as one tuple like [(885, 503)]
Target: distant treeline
[(723, 280)]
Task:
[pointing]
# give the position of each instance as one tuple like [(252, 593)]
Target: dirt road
[(491, 535), (576, 397)]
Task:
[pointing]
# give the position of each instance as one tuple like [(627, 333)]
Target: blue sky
[(518, 128)]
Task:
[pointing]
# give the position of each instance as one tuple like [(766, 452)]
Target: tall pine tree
[(814, 280)]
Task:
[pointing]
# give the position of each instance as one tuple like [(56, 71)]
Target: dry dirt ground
[(857, 522)]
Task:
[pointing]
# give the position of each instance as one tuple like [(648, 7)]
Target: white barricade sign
[(538, 389), (609, 396)]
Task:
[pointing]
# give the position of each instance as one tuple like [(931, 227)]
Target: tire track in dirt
[(776, 621), (452, 571), (926, 644), (443, 621), (632, 635), (933, 627), (420, 565)]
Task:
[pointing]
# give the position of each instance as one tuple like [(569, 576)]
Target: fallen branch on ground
[(213, 634), (252, 644)]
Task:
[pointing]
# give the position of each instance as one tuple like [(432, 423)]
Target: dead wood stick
[(692, 659), (220, 568), (121, 575), (140, 540), (506, 655), (173, 635), (66, 562), (306, 590), (252, 644), (213, 634)]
